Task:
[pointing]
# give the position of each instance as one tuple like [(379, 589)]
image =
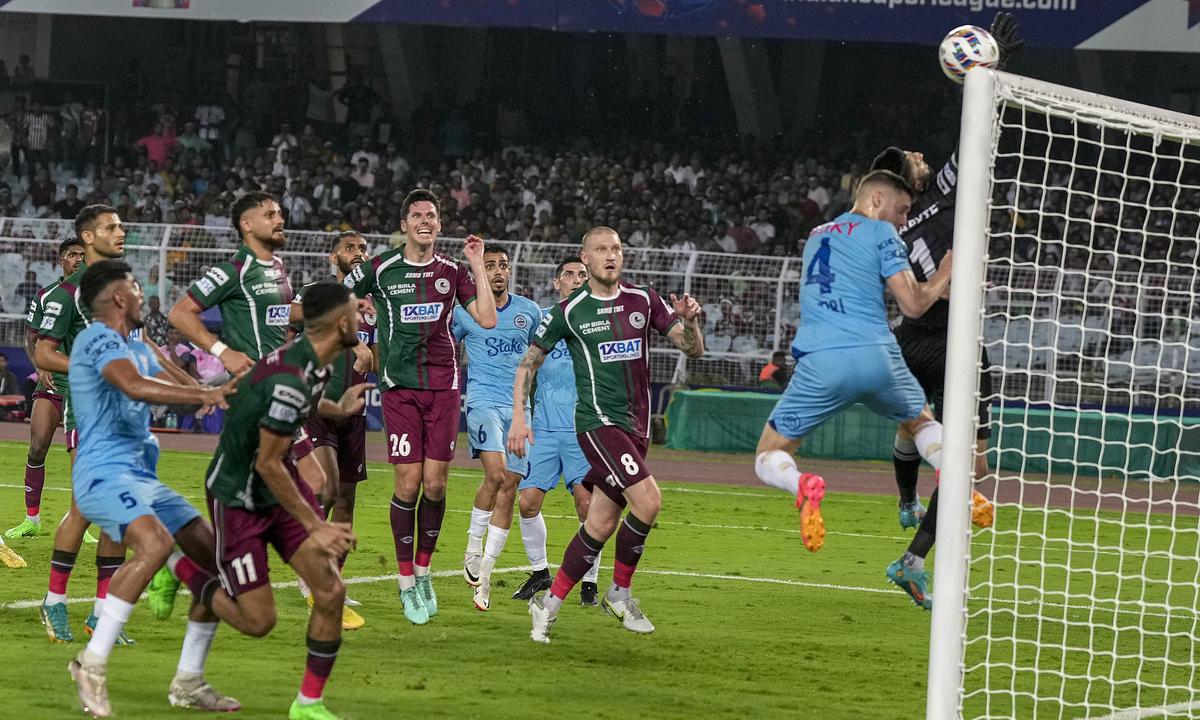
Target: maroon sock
[(35, 480), (198, 580), (322, 654), (106, 567), (578, 558), (61, 565), (403, 517), (631, 542), (429, 517)]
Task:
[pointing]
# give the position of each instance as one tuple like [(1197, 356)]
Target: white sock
[(778, 469), (594, 571), (552, 603), (96, 606), (407, 582), (53, 598), (929, 443), (496, 538), (34, 518), (420, 570), (618, 593), (196, 642), (479, 523), (533, 534), (486, 566), (113, 616)]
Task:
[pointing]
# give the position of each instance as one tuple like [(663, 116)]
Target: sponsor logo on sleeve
[(355, 275), (32, 311), (52, 308), (283, 412), (442, 285), (279, 315), (205, 286), (637, 320), (420, 312), (620, 350), (217, 275), (289, 395)]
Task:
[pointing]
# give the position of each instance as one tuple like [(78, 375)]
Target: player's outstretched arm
[(333, 539), (124, 376), (687, 335), (171, 372), (519, 432), (915, 298), (185, 316)]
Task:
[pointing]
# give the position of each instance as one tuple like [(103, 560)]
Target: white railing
[(760, 317)]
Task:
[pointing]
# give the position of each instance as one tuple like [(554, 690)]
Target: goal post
[(1076, 242)]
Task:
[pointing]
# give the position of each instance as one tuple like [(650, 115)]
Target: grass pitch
[(749, 624)]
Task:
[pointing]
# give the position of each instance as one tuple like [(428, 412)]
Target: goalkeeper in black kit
[(929, 234)]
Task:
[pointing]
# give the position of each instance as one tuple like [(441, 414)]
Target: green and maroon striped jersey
[(34, 319), (342, 375), (255, 300), (63, 318), (278, 395), (609, 340), (415, 308)]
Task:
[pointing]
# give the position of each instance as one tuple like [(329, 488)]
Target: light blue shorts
[(554, 454), (113, 497), (487, 429), (826, 381)]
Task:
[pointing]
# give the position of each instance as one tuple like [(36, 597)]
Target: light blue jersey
[(493, 355), (846, 265), (114, 474), (554, 397), (113, 429)]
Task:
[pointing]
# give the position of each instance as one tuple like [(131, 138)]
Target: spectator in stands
[(40, 128), (155, 322), (360, 102), (774, 375), (8, 380), (70, 205), (362, 175), (42, 191), (91, 135), (27, 290), (159, 145), (191, 140), (296, 206), (8, 208), (211, 117), (365, 151), (22, 75)]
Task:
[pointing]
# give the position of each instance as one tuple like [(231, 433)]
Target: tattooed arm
[(687, 335), (519, 431)]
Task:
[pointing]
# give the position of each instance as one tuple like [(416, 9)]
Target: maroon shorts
[(617, 457), (242, 537), (420, 424), (55, 399), (348, 438)]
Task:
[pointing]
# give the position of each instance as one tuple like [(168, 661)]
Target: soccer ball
[(967, 47)]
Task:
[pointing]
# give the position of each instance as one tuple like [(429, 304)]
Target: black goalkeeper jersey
[(929, 233)]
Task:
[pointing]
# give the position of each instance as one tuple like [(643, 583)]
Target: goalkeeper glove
[(1004, 29)]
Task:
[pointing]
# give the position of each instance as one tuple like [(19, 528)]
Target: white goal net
[(1083, 600)]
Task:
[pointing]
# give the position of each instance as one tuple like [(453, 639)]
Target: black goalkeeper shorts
[(925, 354)]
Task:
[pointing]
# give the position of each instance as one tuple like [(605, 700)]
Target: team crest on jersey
[(442, 285), (279, 315), (371, 320), (637, 320), (620, 350), (420, 312), (521, 321)]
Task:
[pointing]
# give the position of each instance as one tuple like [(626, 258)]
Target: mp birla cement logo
[(420, 312), (620, 350)]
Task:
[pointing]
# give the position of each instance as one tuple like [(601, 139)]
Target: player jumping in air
[(415, 290), (556, 452), (492, 356), (47, 409), (607, 325), (928, 235), (845, 352)]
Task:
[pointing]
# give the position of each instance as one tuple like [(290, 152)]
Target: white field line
[(1141, 713), (676, 523)]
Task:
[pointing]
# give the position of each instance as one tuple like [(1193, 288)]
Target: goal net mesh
[(1082, 600)]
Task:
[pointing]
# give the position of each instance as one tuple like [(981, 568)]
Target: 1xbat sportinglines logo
[(620, 350), (420, 312)]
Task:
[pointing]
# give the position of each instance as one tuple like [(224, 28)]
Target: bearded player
[(607, 325)]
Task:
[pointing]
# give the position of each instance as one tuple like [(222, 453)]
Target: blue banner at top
[(1155, 25)]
